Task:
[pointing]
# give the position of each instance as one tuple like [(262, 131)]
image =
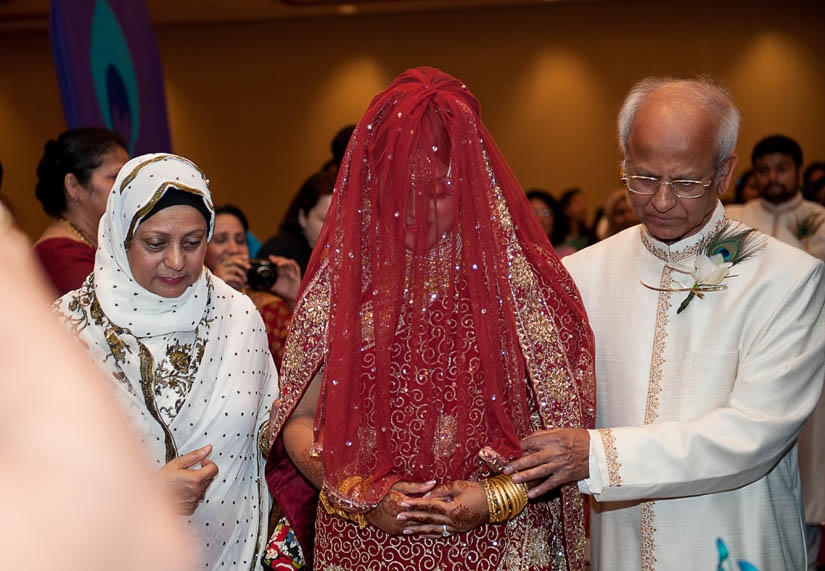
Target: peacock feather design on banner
[(113, 74), (109, 70)]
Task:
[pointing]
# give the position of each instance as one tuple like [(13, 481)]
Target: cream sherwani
[(699, 412), (783, 222)]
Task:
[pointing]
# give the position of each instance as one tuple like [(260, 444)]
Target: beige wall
[(255, 105)]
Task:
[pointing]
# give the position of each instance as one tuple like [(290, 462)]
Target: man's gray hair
[(716, 99)]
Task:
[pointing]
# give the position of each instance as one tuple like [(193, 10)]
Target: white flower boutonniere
[(707, 273), (731, 245)]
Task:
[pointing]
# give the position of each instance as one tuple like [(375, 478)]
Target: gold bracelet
[(263, 439), (516, 498), (519, 494), (492, 506), (357, 518), (509, 499), (494, 499), (505, 498), (360, 519)]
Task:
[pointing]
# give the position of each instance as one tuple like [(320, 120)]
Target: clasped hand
[(552, 458), (453, 507)]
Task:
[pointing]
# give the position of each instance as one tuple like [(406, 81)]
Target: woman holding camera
[(271, 283)]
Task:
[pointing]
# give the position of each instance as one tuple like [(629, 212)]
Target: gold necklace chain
[(76, 231)]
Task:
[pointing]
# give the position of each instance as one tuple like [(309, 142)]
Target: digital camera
[(262, 274)]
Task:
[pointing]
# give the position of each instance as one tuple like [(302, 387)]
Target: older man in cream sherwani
[(710, 355)]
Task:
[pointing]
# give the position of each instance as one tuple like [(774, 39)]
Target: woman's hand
[(385, 515), (289, 279), (232, 269), (453, 507), (187, 485)]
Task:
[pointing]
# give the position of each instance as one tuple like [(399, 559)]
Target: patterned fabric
[(67, 262), (703, 408), (277, 315), (283, 553), (531, 542), (431, 296), (188, 371)]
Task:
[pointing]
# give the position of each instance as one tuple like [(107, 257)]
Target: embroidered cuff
[(611, 457), (593, 484), (603, 463)]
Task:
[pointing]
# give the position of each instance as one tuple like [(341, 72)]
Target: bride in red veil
[(435, 329)]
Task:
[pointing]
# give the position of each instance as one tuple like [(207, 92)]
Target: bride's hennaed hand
[(457, 506), (385, 515)]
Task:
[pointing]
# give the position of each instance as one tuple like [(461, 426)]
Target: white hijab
[(191, 370), (141, 183)]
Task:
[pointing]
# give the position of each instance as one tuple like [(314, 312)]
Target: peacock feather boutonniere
[(730, 245), (810, 225)]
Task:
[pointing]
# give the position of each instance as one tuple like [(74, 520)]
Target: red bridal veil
[(432, 294)]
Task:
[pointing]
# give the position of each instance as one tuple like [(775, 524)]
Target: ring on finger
[(444, 532)]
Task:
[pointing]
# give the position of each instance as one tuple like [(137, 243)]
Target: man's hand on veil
[(185, 484), (558, 456), (385, 515), (453, 507)]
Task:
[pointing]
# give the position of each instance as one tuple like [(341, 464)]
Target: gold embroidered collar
[(688, 247)]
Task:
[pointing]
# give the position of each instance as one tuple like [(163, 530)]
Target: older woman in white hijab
[(187, 354)]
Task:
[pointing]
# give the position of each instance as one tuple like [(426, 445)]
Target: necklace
[(75, 230)]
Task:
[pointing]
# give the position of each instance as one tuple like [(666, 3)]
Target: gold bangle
[(509, 498), (263, 439), (332, 510), (492, 504), (519, 494), (360, 519), (512, 494), (495, 501)]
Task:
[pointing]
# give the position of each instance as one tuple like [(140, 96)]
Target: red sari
[(276, 314), (444, 324), (67, 262)]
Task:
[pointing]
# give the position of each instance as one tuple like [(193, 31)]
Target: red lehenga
[(444, 324)]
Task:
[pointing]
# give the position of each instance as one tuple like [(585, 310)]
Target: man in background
[(782, 212)]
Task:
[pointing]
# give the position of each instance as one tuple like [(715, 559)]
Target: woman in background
[(576, 231), (302, 222), (618, 215), (74, 178), (746, 188), (548, 213), (228, 257)]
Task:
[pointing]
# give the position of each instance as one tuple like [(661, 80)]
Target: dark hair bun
[(77, 151), (49, 189)]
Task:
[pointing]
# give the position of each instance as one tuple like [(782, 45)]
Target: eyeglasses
[(544, 213), (648, 185)]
